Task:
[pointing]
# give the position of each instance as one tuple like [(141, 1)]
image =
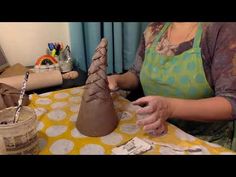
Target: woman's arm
[(127, 81), (209, 109), (157, 110), (219, 50), (130, 79)]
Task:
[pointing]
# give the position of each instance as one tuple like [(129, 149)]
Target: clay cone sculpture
[(97, 116)]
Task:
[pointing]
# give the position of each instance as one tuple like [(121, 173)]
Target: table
[(57, 113)]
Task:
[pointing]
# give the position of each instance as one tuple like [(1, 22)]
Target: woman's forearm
[(210, 109), (127, 81)]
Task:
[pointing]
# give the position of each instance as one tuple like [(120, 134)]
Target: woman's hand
[(156, 110), (113, 82)]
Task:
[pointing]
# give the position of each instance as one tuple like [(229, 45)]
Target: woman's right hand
[(113, 82)]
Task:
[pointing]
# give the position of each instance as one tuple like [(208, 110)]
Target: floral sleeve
[(136, 67), (146, 39), (223, 63)]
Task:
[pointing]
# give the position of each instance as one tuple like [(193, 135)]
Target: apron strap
[(198, 36), (156, 40)]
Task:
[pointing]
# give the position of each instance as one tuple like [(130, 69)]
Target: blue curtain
[(123, 40)]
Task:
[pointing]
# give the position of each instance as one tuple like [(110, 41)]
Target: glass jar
[(65, 62)]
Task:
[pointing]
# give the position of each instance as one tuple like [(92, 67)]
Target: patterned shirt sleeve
[(136, 67), (222, 49), (146, 39)]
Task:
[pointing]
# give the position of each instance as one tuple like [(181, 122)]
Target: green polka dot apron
[(183, 76)]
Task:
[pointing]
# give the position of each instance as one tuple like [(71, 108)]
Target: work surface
[(57, 112)]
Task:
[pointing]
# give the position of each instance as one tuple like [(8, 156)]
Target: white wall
[(25, 42)]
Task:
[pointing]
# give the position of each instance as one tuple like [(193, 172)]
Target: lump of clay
[(97, 116)]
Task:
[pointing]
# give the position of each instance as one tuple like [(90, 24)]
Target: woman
[(188, 75)]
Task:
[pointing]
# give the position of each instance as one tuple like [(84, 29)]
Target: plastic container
[(18, 138)]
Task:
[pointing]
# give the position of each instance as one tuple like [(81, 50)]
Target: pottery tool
[(20, 101)]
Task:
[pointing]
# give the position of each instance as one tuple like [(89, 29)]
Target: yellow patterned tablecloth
[(57, 112)]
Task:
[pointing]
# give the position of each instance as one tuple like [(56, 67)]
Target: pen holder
[(18, 138)]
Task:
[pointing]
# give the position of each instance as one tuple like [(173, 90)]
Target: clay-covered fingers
[(112, 83), (153, 126), (146, 110), (143, 101), (160, 131), (148, 120)]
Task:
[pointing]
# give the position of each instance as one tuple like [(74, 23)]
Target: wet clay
[(97, 116), (9, 116)]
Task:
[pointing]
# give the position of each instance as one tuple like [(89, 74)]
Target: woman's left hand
[(156, 110)]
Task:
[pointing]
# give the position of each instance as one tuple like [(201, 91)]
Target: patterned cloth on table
[(57, 112)]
